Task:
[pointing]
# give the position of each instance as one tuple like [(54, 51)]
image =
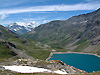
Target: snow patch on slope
[(28, 69)]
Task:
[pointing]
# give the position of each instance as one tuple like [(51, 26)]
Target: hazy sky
[(42, 11)]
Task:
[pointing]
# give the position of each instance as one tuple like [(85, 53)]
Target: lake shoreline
[(51, 54)]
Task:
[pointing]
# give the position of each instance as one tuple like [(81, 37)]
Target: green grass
[(98, 52), (39, 54), (33, 50), (6, 33), (82, 46), (31, 47), (81, 41), (5, 52), (16, 40), (61, 44)]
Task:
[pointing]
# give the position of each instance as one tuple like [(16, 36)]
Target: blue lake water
[(88, 63)]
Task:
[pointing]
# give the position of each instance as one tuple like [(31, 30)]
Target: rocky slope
[(52, 65), (79, 33)]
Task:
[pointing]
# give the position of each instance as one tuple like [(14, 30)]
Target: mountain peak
[(21, 27)]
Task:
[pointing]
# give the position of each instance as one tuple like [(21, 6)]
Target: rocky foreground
[(53, 66)]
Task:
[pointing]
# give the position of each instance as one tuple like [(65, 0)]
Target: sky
[(43, 11)]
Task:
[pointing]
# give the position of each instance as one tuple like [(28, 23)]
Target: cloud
[(35, 19), (3, 16), (6, 22), (33, 22), (45, 21), (81, 6), (36, 23)]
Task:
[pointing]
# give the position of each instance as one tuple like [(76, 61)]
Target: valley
[(79, 33)]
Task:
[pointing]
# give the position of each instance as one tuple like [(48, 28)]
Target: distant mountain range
[(20, 27), (78, 33)]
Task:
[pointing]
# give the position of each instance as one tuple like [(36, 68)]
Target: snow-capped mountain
[(21, 27)]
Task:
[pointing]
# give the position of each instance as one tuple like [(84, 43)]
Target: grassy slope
[(82, 46), (5, 52), (35, 49), (32, 48)]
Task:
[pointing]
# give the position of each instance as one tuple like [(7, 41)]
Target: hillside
[(6, 33), (12, 45), (78, 33)]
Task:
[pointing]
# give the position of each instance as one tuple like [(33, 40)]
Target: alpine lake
[(85, 62)]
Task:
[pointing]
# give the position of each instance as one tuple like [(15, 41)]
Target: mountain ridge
[(85, 27)]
